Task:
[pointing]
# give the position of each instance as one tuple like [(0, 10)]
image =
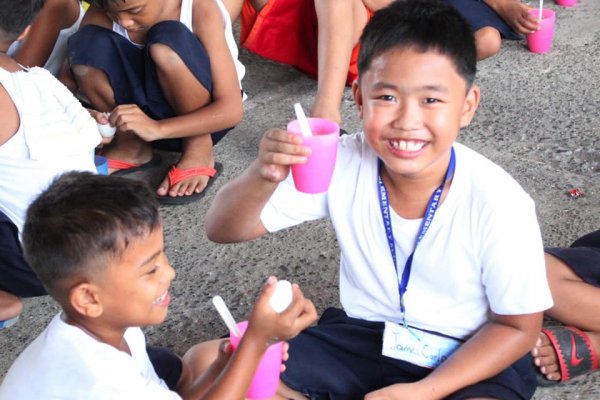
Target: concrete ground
[(539, 119)]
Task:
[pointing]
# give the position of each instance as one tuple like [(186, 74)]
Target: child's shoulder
[(485, 178)]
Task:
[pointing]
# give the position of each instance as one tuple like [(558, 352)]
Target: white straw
[(541, 7), (226, 315), (302, 120)]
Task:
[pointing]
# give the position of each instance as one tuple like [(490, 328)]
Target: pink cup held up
[(541, 41), (266, 378), (566, 3), (315, 175)]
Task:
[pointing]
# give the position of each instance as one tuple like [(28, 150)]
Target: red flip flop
[(176, 175), (124, 167)]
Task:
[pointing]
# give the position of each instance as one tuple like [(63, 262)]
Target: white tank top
[(24, 176), (185, 18), (59, 53)]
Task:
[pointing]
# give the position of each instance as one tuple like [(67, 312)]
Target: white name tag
[(415, 346)]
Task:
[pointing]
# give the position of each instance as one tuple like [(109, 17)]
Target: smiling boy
[(96, 242), (442, 278)]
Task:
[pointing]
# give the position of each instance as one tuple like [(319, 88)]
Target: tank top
[(59, 52)]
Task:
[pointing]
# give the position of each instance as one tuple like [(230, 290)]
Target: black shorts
[(340, 359), (167, 365), (480, 15), (583, 257), (16, 276), (132, 72)]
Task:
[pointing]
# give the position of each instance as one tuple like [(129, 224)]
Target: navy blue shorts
[(583, 257), (167, 365), (341, 359), (16, 276), (480, 15), (131, 71)]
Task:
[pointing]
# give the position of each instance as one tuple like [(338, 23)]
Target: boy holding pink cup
[(442, 295)]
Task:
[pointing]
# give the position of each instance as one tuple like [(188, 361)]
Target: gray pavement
[(539, 119)]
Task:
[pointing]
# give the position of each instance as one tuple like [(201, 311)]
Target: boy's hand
[(401, 391), (101, 119), (516, 14), (268, 326), (129, 118), (277, 151)]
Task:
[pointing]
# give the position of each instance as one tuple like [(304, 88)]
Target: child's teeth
[(405, 145)]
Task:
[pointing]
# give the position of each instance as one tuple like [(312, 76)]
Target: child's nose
[(125, 21), (408, 116)]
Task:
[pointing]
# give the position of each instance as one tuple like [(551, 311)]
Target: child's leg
[(185, 94), (340, 24), (107, 81), (10, 306), (576, 303), (487, 42)]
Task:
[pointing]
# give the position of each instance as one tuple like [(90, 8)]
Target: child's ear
[(85, 299), (358, 100), (470, 106)]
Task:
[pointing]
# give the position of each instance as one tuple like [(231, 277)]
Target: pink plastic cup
[(541, 41), (266, 378), (566, 3), (315, 175)]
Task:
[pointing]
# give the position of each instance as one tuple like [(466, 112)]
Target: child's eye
[(387, 97), (431, 100), (153, 270)]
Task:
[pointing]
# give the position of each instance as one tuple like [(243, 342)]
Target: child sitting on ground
[(442, 274), (320, 38), (164, 69), (563, 352), (46, 43), (44, 132), (96, 242)]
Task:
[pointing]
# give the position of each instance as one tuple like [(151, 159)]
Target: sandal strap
[(118, 164), (176, 175)]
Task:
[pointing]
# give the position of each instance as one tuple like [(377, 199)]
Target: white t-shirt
[(59, 52), (66, 363), (56, 134), (482, 252)]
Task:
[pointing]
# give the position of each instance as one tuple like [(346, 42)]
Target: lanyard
[(429, 214)]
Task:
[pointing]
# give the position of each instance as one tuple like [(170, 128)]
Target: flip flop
[(177, 175), (7, 323), (574, 351), (124, 167)]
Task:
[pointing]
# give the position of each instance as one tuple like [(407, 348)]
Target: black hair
[(426, 25), (82, 222), (103, 4), (15, 15)]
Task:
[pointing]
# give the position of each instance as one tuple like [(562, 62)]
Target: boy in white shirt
[(96, 242), (443, 306)]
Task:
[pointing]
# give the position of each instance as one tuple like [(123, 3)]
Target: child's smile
[(413, 105)]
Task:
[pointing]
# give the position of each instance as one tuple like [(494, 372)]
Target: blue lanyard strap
[(429, 214)]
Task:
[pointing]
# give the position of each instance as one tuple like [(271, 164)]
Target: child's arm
[(265, 327), (515, 14), (235, 213), (497, 345), (37, 46), (224, 111)]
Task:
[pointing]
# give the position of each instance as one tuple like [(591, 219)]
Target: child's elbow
[(236, 113)]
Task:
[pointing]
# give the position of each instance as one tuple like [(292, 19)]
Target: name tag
[(416, 346)]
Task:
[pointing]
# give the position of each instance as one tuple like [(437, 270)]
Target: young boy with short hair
[(442, 274), (168, 74), (96, 242)]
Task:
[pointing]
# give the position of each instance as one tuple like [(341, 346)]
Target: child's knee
[(488, 42)]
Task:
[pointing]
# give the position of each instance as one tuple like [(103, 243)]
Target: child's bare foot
[(10, 306)]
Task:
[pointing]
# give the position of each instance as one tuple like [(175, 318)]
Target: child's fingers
[(302, 310)]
